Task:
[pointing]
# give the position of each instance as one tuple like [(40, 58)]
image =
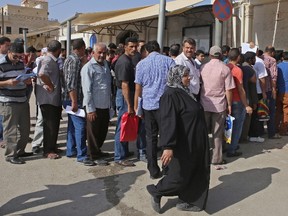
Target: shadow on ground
[(82, 198), (234, 188)]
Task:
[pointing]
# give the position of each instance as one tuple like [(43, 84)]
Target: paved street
[(254, 184)]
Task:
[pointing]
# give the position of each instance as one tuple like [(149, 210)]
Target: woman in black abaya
[(184, 139)]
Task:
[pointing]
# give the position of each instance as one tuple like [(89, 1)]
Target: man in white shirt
[(186, 59)]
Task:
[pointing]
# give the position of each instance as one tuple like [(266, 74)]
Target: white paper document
[(80, 112), (23, 77)]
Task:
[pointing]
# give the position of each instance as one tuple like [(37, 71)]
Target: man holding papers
[(72, 101), (14, 106)]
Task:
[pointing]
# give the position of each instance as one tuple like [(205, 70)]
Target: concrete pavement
[(254, 184)]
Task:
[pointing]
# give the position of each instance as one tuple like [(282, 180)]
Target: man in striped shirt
[(14, 105)]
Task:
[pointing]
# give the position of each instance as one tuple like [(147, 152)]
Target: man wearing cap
[(216, 97)]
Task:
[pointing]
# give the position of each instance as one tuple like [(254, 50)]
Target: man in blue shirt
[(150, 79), (282, 96)]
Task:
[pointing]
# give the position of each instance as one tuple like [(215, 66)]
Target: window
[(22, 29), (8, 30), (202, 36)]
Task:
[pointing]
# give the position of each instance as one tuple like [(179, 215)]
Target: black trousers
[(51, 121), (152, 123), (96, 132)]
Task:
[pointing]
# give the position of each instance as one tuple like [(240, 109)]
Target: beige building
[(31, 15), (263, 21)]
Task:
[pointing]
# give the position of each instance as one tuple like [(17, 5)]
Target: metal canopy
[(139, 18)]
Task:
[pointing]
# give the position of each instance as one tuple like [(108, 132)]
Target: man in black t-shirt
[(125, 76)]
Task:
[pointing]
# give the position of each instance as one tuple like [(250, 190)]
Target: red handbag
[(129, 127)]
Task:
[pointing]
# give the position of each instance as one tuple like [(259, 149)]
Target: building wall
[(264, 25), (30, 16)]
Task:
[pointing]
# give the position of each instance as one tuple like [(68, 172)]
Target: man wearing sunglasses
[(14, 106)]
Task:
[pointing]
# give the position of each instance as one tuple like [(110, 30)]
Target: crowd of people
[(182, 100)]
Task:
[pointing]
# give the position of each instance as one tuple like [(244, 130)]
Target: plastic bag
[(129, 127), (228, 129)]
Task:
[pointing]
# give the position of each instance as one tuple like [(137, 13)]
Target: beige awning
[(151, 12), (43, 30), (88, 18)]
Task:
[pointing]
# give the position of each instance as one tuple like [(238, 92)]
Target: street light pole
[(161, 23)]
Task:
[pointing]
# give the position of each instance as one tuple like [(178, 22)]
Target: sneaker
[(101, 162), (88, 162), (256, 139), (264, 118)]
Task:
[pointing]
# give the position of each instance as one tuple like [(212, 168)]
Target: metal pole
[(68, 47), (218, 32), (276, 22), (2, 16), (25, 39), (161, 23)]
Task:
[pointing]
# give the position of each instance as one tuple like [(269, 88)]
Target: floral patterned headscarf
[(175, 76)]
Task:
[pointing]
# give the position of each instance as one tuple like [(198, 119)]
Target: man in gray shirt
[(96, 88), (48, 95)]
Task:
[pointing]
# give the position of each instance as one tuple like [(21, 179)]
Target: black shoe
[(88, 162), (15, 160), (155, 201), (235, 154), (36, 149), (159, 175), (183, 206), (26, 154)]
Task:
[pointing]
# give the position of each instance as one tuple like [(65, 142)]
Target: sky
[(64, 9)]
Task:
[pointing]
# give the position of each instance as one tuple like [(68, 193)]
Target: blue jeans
[(238, 112), (76, 136), (121, 148), (271, 122), (141, 140)]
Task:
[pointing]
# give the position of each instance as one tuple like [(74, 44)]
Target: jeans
[(271, 122), (141, 140), (121, 148), (76, 136), (238, 112), (38, 131)]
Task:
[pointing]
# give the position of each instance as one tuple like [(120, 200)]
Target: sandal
[(125, 163), (2, 144), (221, 163), (52, 156)]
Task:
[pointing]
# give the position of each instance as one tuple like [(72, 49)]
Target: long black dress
[(183, 129)]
